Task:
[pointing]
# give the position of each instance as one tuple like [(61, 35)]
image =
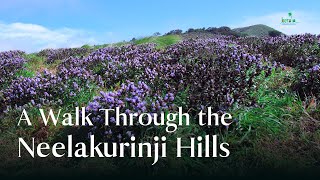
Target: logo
[(289, 20)]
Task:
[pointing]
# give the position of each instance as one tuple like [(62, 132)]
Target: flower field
[(270, 85)]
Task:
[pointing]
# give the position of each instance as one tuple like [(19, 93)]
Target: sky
[(32, 25)]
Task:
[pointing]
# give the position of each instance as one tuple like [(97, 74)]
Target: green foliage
[(181, 99), (82, 97), (25, 73), (274, 33), (118, 44), (95, 47), (258, 30), (161, 41), (274, 105), (316, 49), (34, 64), (87, 46)]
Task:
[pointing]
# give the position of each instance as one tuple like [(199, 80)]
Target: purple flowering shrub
[(11, 62), (11, 54), (203, 66), (198, 48), (62, 53), (219, 82), (215, 74), (309, 83), (46, 89), (218, 72), (130, 98), (37, 90), (301, 52), (295, 51), (115, 64)]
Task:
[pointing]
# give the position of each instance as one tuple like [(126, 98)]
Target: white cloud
[(308, 22), (33, 37)]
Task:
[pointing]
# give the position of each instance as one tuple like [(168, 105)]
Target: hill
[(161, 41), (258, 30)]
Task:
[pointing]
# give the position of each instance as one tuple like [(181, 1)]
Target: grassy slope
[(108, 45), (161, 41), (258, 30)]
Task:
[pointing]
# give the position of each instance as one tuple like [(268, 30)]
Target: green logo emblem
[(290, 20)]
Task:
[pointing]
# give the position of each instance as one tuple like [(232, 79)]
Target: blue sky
[(36, 24)]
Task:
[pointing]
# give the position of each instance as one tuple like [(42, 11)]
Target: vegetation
[(270, 85), (160, 41), (258, 30), (274, 33)]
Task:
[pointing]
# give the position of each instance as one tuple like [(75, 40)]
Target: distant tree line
[(174, 32), (224, 30)]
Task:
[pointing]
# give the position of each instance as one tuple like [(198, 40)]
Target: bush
[(46, 89), (11, 63), (130, 98), (53, 55), (309, 83)]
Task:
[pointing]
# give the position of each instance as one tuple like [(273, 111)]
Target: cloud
[(308, 22), (33, 37)]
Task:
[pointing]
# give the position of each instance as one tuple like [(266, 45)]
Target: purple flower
[(75, 85), (316, 68)]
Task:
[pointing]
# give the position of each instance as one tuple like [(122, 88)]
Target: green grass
[(161, 41), (95, 47), (276, 105), (33, 65), (258, 30), (37, 64), (276, 133)]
